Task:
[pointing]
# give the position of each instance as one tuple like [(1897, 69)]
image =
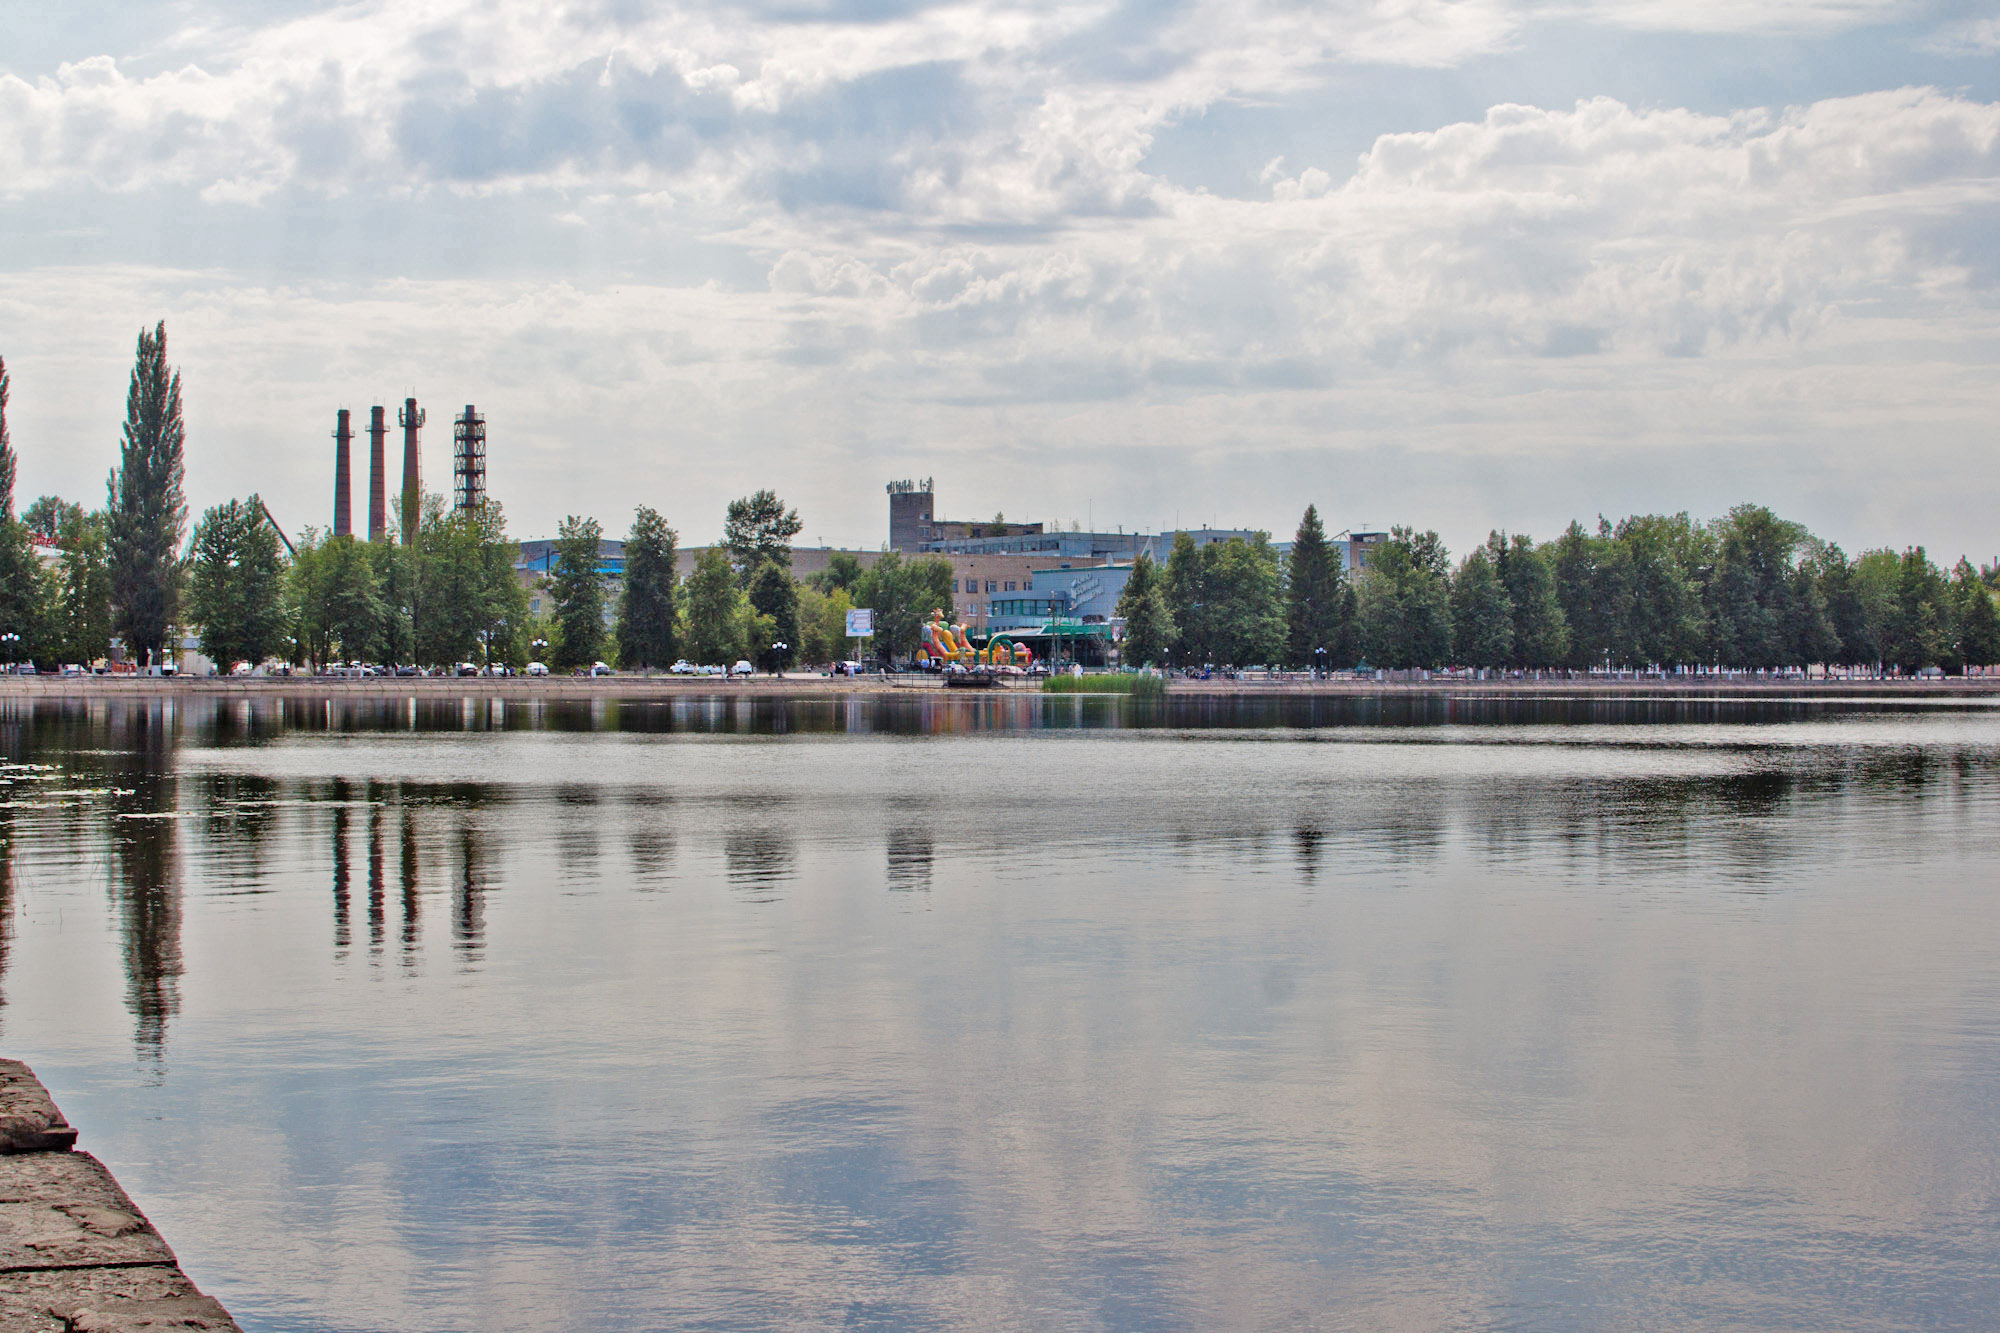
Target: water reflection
[(1569, 1009)]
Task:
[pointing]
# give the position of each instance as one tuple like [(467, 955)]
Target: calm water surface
[(1025, 1014)]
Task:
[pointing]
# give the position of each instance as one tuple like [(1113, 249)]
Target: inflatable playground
[(949, 645)]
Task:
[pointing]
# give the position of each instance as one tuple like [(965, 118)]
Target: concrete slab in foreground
[(76, 1254)]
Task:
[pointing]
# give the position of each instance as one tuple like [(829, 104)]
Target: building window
[(1010, 585), (992, 586)]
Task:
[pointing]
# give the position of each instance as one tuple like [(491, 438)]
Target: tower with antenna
[(411, 420), (468, 461)]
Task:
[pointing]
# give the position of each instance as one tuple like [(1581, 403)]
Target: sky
[(1461, 264)]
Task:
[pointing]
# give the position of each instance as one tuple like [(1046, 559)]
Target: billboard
[(860, 623)]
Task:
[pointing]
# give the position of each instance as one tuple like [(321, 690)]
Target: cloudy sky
[(1458, 263)]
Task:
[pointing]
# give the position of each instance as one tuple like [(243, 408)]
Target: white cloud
[(1975, 37)]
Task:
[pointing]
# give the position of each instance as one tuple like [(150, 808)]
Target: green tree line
[(1747, 590)]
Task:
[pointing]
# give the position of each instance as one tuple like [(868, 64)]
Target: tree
[(648, 631), (462, 586), (22, 590), (1188, 600), (759, 528), (1978, 625), (1482, 616), (1319, 605), (1541, 633), (338, 605), (775, 598), (236, 584), (81, 613), (1754, 598), (1246, 609), (1404, 606), (1142, 605), (843, 571), (1922, 625), (823, 624), (6, 450), (145, 513), (902, 594), (577, 588), (47, 515), (714, 622)]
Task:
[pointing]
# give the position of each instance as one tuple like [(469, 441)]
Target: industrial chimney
[(410, 419), (378, 482), (343, 478), (468, 460)]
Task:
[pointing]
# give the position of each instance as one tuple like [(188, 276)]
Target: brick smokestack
[(343, 478), (413, 486), (378, 481)]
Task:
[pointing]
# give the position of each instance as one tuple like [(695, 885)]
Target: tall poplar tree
[(1142, 605), (648, 635), (146, 512), (6, 450)]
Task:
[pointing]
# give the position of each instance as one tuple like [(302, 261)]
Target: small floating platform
[(971, 680)]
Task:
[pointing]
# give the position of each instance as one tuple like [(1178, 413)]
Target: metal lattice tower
[(468, 460), (411, 420)]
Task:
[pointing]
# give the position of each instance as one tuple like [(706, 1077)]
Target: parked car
[(538, 669), (742, 668), (600, 669), (683, 668), (468, 668)]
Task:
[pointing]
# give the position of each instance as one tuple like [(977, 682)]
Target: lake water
[(1025, 1013)]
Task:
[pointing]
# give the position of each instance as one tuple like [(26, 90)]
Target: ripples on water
[(1024, 1012)]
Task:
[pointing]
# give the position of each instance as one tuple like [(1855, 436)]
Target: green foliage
[(843, 570), (47, 516), (759, 528), (338, 605), (1921, 627), (1482, 615), (1187, 597), (577, 588), (648, 623), (902, 594), (715, 612), (1227, 600), (1404, 603), (24, 595), (1319, 603), (1136, 685), (462, 585), (80, 610), (236, 584), (146, 512), (1758, 610), (1978, 625), (7, 460), (1142, 605), (775, 598), (1541, 632)]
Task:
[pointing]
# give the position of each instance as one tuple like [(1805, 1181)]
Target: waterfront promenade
[(640, 687)]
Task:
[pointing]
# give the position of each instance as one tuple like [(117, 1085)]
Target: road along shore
[(639, 687), (76, 1254)]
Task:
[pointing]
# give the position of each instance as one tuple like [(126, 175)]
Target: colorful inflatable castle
[(950, 643)]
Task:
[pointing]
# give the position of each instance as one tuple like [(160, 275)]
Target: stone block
[(29, 1120), (63, 1210), (109, 1300)]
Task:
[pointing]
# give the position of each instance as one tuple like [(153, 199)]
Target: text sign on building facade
[(861, 623)]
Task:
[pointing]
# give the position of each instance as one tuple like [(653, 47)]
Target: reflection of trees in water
[(341, 895), (650, 837), (576, 829), (469, 898), (6, 897), (911, 853), (239, 815), (757, 855), (412, 888), (1306, 838), (145, 866), (377, 882)]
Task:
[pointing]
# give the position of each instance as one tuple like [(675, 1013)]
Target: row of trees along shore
[(1746, 590)]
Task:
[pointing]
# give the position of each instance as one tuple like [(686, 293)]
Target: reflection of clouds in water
[(1514, 1060)]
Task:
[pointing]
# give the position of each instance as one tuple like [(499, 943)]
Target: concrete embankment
[(636, 687), (76, 1254)]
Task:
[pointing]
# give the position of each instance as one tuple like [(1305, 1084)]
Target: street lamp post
[(778, 656), (1319, 662), (13, 642)]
